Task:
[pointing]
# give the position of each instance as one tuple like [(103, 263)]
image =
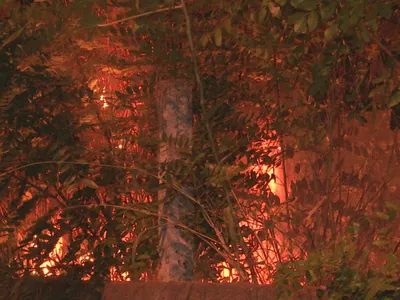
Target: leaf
[(204, 40), (308, 5), (261, 15), (218, 37), (394, 99), (386, 11), (382, 216), (364, 33), (331, 32), (274, 9), (327, 11), (296, 17), (281, 2), (228, 25), (13, 37), (355, 17), (89, 183), (377, 91), (301, 26), (312, 20), (373, 24)]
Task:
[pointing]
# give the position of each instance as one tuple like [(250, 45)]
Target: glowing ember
[(103, 100)]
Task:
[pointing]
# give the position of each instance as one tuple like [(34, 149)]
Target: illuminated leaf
[(364, 33), (328, 10), (89, 183), (204, 40), (300, 24), (274, 9), (308, 5), (377, 91), (262, 14), (394, 99), (281, 2), (331, 32), (218, 37), (312, 20), (296, 17)]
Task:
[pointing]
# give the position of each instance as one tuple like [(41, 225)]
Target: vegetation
[(283, 189)]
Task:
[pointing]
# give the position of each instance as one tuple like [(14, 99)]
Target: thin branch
[(198, 79), (386, 50), (140, 15), (209, 240), (242, 273), (173, 185), (13, 36), (282, 143)]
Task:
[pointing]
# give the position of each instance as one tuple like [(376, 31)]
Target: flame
[(103, 99), (265, 255)]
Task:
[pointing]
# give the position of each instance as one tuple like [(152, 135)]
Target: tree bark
[(174, 101)]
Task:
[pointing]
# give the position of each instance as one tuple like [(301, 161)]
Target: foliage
[(342, 271), (281, 85)]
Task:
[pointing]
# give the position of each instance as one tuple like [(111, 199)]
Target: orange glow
[(266, 255), (104, 101)]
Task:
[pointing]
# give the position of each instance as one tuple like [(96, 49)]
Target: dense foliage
[(281, 89)]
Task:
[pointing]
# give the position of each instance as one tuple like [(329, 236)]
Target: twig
[(136, 241), (242, 273), (209, 240), (140, 15), (198, 79), (386, 50), (282, 142), (13, 36)]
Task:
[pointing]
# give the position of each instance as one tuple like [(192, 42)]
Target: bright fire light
[(104, 101)]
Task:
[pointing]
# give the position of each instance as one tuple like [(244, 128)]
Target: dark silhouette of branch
[(140, 15)]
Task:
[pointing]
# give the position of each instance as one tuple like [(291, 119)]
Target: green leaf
[(331, 32), (262, 14), (228, 25), (274, 9), (312, 20), (13, 37), (89, 183), (394, 99), (281, 2), (355, 17), (218, 37), (372, 13), (386, 11), (308, 5), (301, 26), (373, 24), (377, 91), (344, 24), (296, 17), (299, 19), (327, 11), (382, 216), (204, 40), (364, 33)]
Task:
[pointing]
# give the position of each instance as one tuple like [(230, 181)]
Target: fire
[(104, 101), (265, 256)]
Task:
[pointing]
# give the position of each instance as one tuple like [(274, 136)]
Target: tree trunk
[(176, 247)]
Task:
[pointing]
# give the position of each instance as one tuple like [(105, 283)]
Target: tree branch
[(386, 50), (140, 16), (198, 79)]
